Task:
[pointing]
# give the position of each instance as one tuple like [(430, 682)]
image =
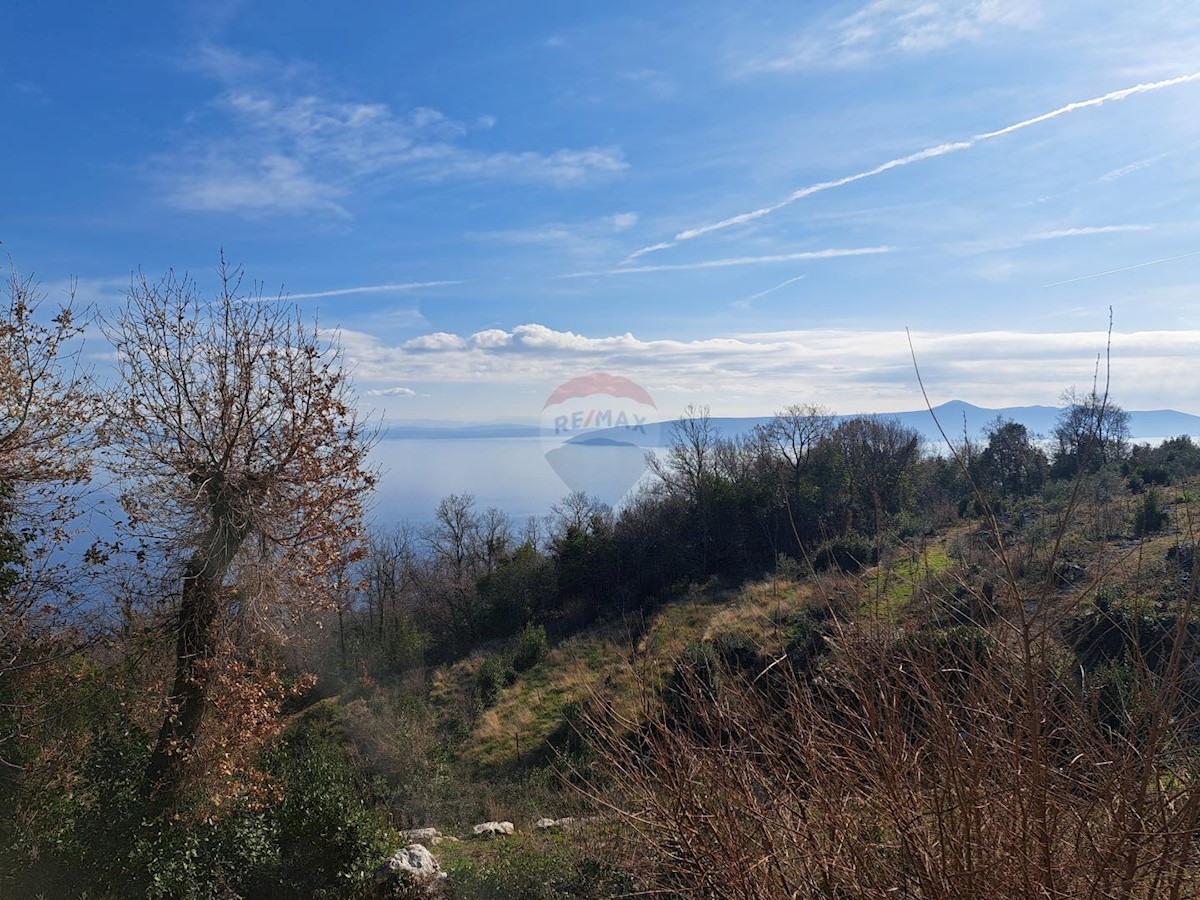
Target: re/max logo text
[(599, 418)]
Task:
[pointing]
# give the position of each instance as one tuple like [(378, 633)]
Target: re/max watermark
[(599, 418)]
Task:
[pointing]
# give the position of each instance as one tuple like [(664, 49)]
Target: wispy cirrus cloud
[(1087, 230), (726, 262), (372, 289), (890, 28), (1141, 265), (748, 301), (985, 245), (589, 238), (933, 152), (274, 141), (392, 392)]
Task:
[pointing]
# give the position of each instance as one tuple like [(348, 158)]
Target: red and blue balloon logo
[(596, 430)]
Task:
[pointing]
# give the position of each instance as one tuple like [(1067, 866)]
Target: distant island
[(957, 417)]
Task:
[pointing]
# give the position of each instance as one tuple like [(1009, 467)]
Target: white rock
[(545, 824), (419, 835), (493, 829), (415, 862)]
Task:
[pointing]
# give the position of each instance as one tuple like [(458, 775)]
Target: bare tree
[(389, 576), (794, 432), (47, 415), (496, 537), (688, 463), (1091, 430), (688, 470), (576, 510), (454, 541), (240, 448)]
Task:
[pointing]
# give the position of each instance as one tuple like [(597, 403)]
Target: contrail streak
[(835, 253), (1153, 262), (928, 153), (745, 302), (372, 289)]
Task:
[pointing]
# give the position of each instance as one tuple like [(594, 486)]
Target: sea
[(520, 476)]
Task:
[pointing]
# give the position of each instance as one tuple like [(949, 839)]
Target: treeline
[(807, 491)]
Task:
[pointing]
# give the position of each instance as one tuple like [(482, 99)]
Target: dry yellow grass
[(529, 711), (606, 663), (761, 610)]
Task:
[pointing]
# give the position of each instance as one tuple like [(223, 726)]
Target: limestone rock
[(419, 835), (412, 863), (493, 829), (546, 824)]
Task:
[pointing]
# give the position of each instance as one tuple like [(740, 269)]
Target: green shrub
[(804, 641), (494, 674), (1151, 518), (957, 651), (1112, 689), (531, 649), (539, 868), (330, 839), (850, 553), (321, 839)]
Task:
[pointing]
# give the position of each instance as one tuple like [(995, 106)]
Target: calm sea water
[(520, 476)]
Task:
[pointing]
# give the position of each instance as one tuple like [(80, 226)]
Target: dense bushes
[(309, 830)]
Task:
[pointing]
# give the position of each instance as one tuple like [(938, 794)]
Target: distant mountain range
[(957, 417), (459, 432)]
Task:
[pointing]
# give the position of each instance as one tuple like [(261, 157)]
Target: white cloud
[(859, 370), (273, 143), (590, 239), (560, 167), (392, 392), (439, 340), (270, 182), (657, 84), (887, 28), (491, 338), (1088, 230)]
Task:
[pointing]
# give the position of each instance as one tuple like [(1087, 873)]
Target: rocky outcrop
[(412, 866), (493, 829)]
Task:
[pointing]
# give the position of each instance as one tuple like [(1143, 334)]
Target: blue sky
[(742, 204)]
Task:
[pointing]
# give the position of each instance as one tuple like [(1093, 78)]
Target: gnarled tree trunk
[(195, 650)]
